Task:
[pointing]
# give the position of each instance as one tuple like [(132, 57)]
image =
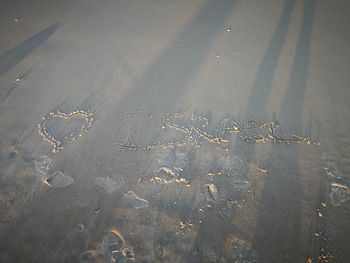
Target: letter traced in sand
[(59, 144), (194, 129)]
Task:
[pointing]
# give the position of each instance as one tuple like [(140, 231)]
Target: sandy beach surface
[(174, 131)]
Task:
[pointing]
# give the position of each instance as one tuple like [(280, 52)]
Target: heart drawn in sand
[(54, 135)]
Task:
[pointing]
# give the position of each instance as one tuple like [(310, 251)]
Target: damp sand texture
[(174, 131)]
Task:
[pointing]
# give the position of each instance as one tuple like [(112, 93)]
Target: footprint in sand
[(111, 185), (211, 192), (339, 193), (41, 166), (111, 249), (168, 165), (59, 180), (132, 200), (55, 180), (91, 256)]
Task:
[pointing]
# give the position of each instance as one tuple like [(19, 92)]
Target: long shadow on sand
[(11, 58), (256, 105), (260, 92), (277, 237), (160, 87), (163, 84)]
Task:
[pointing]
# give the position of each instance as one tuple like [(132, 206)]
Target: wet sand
[(174, 131)]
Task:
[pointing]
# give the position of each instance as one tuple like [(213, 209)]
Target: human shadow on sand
[(12, 57), (277, 233)]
